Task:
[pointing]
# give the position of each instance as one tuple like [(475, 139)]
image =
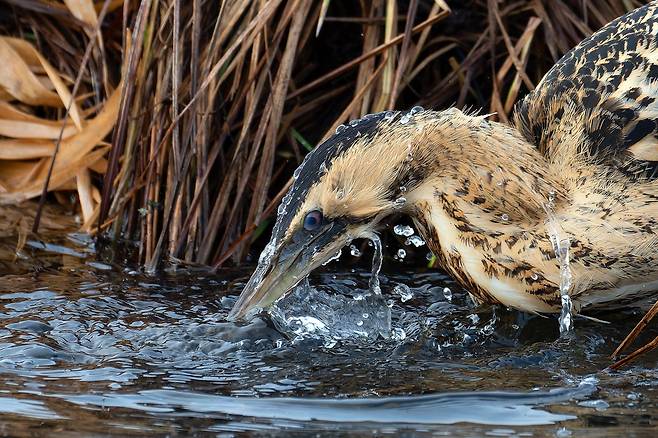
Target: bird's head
[(341, 192)]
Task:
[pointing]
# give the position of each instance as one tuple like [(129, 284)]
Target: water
[(561, 244), (88, 347)]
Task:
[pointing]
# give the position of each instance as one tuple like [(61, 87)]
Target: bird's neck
[(484, 213)]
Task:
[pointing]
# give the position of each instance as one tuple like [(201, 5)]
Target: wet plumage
[(580, 162)]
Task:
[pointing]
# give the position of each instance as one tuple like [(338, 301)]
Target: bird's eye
[(313, 220)]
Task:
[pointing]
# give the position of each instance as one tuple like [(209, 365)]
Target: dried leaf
[(83, 10), (18, 80), (25, 149)]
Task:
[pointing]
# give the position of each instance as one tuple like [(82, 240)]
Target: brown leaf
[(17, 79), (83, 10)]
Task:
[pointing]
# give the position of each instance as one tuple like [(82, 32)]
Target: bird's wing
[(601, 98)]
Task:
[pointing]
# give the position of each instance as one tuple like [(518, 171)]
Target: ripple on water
[(72, 342)]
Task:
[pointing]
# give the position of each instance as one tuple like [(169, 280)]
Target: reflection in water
[(494, 408), (94, 348)]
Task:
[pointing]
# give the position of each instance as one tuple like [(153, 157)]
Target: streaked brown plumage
[(583, 151)]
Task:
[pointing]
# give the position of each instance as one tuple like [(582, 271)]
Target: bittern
[(578, 165)]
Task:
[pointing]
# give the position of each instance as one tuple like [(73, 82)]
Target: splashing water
[(561, 248), (331, 315), (416, 241), (377, 259), (404, 292), (447, 293), (403, 230), (333, 258)]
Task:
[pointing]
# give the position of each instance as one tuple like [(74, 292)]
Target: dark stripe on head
[(320, 160)]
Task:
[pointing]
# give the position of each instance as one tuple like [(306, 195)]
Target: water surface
[(102, 349)]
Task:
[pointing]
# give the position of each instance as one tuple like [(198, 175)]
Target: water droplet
[(402, 253), (535, 276), (281, 210), (487, 330), (296, 173), (562, 432), (399, 202), (340, 128), (365, 315), (416, 109), (389, 115), (355, 251), (402, 189), (429, 256), (323, 167), (359, 323), (335, 257), (354, 122), (504, 217), (405, 119), (398, 334), (447, 293), (416, 241), (404, 292), (403, 230)]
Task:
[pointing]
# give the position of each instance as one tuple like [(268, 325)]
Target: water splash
[(403, 230), (404, 292), (447, 293), (416, 241), (561, 246), (377, 259), (340, 312), (333, 258)]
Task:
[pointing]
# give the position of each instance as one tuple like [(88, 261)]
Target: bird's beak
[(281, 268)]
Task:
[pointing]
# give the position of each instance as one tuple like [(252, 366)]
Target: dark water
[(89, 349)]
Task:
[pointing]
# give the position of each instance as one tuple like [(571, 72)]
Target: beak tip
[(237, 313)]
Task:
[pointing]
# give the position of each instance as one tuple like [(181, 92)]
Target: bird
[(561, 202)]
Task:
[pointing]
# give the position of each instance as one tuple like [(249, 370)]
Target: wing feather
[(601, 98)]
